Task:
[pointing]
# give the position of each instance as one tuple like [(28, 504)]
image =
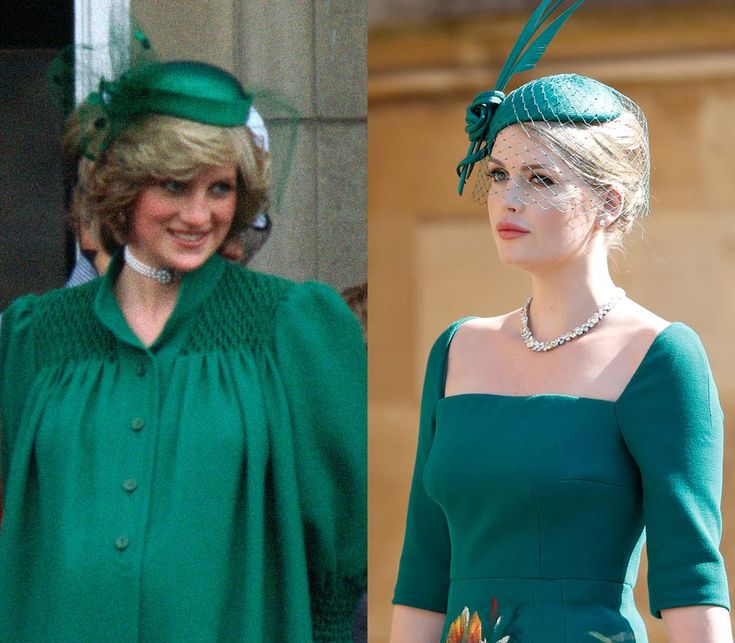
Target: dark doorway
[(33, 243)]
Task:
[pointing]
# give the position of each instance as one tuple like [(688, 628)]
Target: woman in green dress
[(579, 419), (182, 439)]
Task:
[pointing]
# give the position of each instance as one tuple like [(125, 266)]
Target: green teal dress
[(533, 508), (211, 487)]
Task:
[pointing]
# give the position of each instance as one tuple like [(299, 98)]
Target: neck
[(144, 293), (566, 296)]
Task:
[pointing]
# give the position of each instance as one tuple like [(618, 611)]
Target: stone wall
[(392, 12), (313, 51)]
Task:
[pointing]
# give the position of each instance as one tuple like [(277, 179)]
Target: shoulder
[(21, 308), (68, 300), (42, 313), (312, 318), (275, 293), (471, 330), (65, 326), (16, 326), (313, 315), (460, 341), (469, 338), (669, 352), (316, 307), (243, 284), (467, 333), (58, 326), (672, 347), (674, 374), (313, 294), (677, 353), (634, 320), (319, 345)]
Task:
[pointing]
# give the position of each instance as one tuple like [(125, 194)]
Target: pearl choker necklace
[(161, 275), (542, 347)]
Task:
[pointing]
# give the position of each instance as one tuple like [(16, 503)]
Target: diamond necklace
[(161, 275), (542, 347)]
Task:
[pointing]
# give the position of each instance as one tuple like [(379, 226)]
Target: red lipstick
[(507, 230)]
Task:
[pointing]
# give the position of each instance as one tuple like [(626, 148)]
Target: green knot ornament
[(540, 29), (477, 120)]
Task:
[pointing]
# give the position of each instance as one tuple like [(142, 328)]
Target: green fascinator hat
[(139, 84), (186, 89), (565, 98)]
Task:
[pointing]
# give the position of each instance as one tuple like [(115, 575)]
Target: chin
[(188, 263), (522, 262), (513, 259), (190, 266)]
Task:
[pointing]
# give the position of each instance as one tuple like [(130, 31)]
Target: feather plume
[(524, 56)]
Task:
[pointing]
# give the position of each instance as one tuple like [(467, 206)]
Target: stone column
[(313, 51)]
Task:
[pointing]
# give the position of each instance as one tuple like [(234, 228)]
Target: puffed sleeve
[(17, 368), (671, 421), (423, 574), (320, 348)]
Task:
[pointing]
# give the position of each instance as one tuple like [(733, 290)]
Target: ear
[(88, 239), (613, 200)]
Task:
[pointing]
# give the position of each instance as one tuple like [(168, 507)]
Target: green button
[(137, 424), (130, 485), (141, 369), (122, 542)]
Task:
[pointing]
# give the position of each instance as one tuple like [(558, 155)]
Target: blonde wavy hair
[(157, 147), (608, 156)]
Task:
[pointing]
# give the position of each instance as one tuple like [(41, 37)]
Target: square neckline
[(550, 396)]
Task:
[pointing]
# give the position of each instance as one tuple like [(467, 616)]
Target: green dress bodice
[(537, 504)]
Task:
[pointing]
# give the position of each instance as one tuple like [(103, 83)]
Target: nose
[(196, 210), (514, 196), (507, 196)]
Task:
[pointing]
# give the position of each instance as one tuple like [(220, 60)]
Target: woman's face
[(180, 224), (541, 211)]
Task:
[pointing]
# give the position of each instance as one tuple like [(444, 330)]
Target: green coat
[(534, 507), (211, 487)]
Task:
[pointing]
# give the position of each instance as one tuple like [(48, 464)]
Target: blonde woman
[(579, 419), (173, 467)]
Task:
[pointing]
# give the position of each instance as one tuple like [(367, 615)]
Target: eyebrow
[(529, 166)]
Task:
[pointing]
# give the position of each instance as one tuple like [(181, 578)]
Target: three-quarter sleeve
[(423, 575), (321, 354), (671, 421)]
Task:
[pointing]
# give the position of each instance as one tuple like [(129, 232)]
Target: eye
[(173, 186), (541, 179), (497, 174), (223, 188)]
